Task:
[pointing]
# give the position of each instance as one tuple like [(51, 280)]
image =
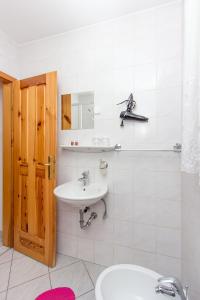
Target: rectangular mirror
[(78, 111)]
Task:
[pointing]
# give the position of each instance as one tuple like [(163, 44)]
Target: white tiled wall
[(144, 221), (138, 53), (190, 234)]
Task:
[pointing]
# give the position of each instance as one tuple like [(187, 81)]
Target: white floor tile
[(25, 269), (3, 296), (17, 255), (6, 256), (29, 290), (94, 270), (4, 275), (74, 277), (88, 296), (63, 261), (3, 249)]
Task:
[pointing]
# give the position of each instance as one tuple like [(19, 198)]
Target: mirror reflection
[(78, 111)]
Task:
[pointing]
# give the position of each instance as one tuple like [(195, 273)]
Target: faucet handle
[(171, 280), (167, 279)]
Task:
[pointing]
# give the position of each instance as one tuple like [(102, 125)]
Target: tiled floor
[(22, 278)]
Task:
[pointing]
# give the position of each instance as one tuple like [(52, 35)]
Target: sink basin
[(77, 195), (128, 282)]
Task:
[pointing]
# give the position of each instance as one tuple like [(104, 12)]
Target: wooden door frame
[(7, 196)]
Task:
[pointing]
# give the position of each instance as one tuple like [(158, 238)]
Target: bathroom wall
[(138, 53), (8, 55), (143, 226), (8, 64), (190, 233)]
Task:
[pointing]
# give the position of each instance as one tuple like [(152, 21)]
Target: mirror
[(78, 111)]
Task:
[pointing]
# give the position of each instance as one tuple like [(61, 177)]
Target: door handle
[(51, 166)]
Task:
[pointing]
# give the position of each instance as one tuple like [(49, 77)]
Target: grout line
[(95, 263), (5, 262), (75, 262), (59, 253), (3, 291), (5, 251), (85, 293), (20, 284), (9, 275), (143, 251), (88, 273)]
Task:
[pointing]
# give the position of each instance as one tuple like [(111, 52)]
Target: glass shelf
[(91, 149)]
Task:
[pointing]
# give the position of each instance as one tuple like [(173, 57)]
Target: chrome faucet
[(171, 286), (85, 178)]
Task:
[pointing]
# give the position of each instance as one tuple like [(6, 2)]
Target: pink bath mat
[(57, 294)]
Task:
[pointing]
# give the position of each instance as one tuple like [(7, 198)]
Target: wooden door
[(34, 153)]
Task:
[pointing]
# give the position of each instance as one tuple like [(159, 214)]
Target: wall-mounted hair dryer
[(128, 113)]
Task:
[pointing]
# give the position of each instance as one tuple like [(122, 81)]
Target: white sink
[(75, 194), (128, 282)]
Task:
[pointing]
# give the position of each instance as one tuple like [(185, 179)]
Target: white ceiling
[(27, 20)]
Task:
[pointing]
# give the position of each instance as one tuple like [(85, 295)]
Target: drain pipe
[(92, 217)]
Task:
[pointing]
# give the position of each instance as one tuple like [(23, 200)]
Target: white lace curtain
[(191, 88)]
